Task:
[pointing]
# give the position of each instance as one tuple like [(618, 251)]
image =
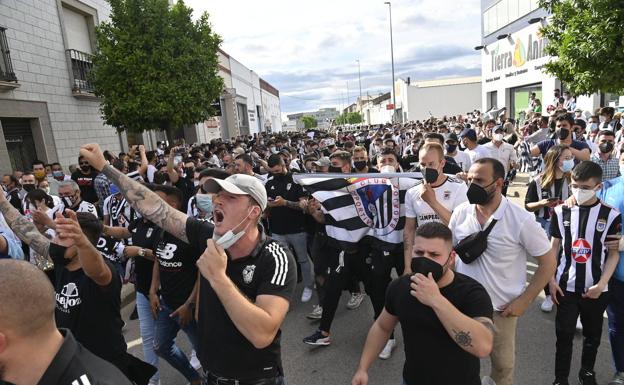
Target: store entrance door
[(520, 101), (20, 143)]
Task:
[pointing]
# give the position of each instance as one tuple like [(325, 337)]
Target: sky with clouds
[(308, 49)]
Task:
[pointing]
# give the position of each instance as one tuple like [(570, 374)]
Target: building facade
[(420, 100), (324, 117), (513, 59), (48, 108)]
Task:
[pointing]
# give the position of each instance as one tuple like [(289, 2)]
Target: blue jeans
[(615, 310), (148, 328), (299, 243), (167, 329)]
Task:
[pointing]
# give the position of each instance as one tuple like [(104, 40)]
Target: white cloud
[(308, 49)]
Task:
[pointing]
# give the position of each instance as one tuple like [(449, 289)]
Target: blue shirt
[(612, 193)]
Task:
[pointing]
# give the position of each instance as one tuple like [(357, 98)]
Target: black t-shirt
[(451, 167), (224, 351), (73, 364), (178, 271), (144, 234), (109, 247), (85, 182), (187, 187), (90, 311), (429, 350), (284, 220)]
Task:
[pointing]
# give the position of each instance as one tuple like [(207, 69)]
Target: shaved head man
[(30, 341)]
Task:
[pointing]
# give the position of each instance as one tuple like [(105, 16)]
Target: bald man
[(32, 350)]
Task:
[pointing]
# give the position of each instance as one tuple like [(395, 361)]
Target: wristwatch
[(141, 252)]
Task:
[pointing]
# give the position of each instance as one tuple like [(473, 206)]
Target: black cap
[(452, 136)]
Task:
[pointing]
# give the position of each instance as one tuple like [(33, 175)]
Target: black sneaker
[(587, 377), (317, 339), (134, 315)]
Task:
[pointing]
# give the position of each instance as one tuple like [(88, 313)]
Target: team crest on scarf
[(376, 202)]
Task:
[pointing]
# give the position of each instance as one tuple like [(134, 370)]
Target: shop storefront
[(513, 70)]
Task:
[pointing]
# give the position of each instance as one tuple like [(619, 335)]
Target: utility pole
[(360, 79), (392, 58)]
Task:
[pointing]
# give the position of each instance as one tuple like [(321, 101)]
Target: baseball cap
[(323, 162), (239, 184), (452, 137), (468, 133), (496, 128)]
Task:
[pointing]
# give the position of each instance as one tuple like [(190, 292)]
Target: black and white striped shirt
[(583, 231)]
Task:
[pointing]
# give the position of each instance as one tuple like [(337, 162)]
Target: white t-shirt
[(477, 153), (462, 159), (151, 170), (505, 153), (450, 194), (83, 207), (501, 269)]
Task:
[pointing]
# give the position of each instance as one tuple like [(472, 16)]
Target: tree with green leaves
[(155, 68), (585, 37), (349, 118), (308, 122)]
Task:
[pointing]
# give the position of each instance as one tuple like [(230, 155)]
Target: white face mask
[(228, 239), (387, 169), (582, 195), (497, 137)]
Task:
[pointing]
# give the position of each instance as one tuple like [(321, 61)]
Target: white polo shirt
[(505, 153), (477, 153), (501, 269), (450, 194)]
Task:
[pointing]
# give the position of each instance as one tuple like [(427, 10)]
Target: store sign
[(525, 55)]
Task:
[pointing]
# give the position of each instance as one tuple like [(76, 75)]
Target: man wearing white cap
[(244, 293)]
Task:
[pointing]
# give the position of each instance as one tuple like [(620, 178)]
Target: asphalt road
[(335, 364)]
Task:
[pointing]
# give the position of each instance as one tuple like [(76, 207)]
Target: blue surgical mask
[(113, 189), (568, 165), (204, 203)]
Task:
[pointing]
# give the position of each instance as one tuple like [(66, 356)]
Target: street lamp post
[(360, 79), (392, 58)]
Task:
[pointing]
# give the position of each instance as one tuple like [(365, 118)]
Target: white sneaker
[(387, 350), (547, 305), (355, 301), (579, 325), (306, 295), (195, 361), (317, 312)]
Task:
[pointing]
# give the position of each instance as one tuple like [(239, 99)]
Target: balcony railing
[(6, 67), (81, 64)]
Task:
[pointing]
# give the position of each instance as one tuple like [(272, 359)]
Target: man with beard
[(85, 176), (286, 217)]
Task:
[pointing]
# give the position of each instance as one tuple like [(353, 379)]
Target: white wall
[(38, 55), (272, 112)]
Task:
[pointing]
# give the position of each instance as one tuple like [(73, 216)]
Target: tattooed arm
[(24, 229), (474, 335), (145, 201)]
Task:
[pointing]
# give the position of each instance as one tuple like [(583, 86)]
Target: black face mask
[(85, 168), (424, 266), (450, 148), (478, 195), (563, 134), (431, 175), (335, 169), (189, 171), (57, 254), (606, 147), (28, 187), (359, 165)]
